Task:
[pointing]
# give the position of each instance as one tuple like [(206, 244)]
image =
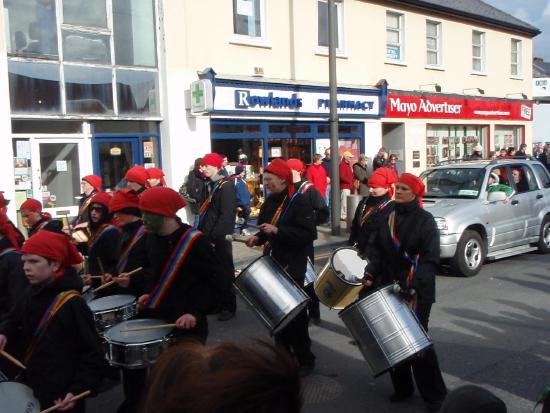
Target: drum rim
[(370, 293), (166, 338), (284, 321), (34, 399), (131, 303), (332, 263), (252, 263)]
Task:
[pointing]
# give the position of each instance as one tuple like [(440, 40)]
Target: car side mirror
[(496, 196)]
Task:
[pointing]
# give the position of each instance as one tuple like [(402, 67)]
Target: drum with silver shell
[(310, 275), (136, 349), (112, 309), (17, 398)]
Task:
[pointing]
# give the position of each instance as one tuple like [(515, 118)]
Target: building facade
[(541, 95), (100, 86)]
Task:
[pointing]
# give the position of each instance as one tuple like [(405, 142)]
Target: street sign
[(201, 97)]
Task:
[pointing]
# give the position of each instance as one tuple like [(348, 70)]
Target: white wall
[(541, 123)]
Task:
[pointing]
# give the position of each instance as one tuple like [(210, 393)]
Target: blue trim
[(310, 114)]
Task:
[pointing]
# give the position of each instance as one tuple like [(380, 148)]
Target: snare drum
[(273, 295), (136, 349), (339, 282), (385, 329), (17, 398), (310, 275), (112, 309)]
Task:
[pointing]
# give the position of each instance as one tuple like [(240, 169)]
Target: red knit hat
[(123, 199), (161, 201), (55, 246), (3, 201), (213, 159), (7, 229), (156, 173), (415, 183), (103, 198), (297, 165), (137, 174), (94, 180), (280, 168), (31, 205)]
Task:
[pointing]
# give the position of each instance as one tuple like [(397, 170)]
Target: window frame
[(340, 47), (482, 52), (401, 33), (243, 39), (437, 51), (518, 53)]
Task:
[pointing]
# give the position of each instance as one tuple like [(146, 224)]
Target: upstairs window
[(515, 69), (322, 24), (248, 18), (433, 43), (394, 36), (478, 51)]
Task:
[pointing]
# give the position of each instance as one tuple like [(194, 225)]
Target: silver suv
[(489, 210)]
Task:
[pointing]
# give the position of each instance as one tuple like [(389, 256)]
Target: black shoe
[(398, 398), (306, 370), (226, 315)]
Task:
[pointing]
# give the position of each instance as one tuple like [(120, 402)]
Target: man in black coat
[(217, 222), (406, 251), (51, 328), (12, 278), (287, 230)]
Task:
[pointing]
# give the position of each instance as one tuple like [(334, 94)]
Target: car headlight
[(441, 224)]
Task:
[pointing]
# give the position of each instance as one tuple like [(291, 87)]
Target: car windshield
[(453, 183)]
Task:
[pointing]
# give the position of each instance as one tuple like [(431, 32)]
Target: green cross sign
[(197, 93)]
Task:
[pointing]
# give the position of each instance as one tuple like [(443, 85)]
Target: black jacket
[(378, 162), (12, 277), (197, 285), (296, 231), (105, 250), (220, 215), (194, 190), (69, 357), (317, 203), (418, 234), (363, 236), (52, 225)]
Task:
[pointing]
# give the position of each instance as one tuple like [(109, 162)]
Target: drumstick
[(100, 265), (239, 240), (74, 399), (94, 276), (154, 327), (101, 287), (13, 359)]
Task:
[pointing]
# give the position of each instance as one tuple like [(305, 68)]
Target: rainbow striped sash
[(104, 230), (58, 302), (370, 210), (7, 251), (123, 259), (203, 210), (174, 263), (85, 205)]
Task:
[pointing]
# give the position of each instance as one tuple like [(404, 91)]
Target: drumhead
[(16, 397), (110, 302), (114, 334), (348, 265)]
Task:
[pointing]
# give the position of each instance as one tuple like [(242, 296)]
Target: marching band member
[(51, 329), (35, 219), (320, 214), (4, 210), (91, 185), (137, 177), (287, 229), (156, 177), (406, 250)]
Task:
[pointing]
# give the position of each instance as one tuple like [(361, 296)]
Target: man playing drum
[(91, 185), (406, 250), (287, 229), (51, 329)]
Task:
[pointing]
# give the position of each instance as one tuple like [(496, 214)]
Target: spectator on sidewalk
[(346, 182), (381, 159), (317, 175), (194, 191), (328, 170), (243, 197), (360, 175)]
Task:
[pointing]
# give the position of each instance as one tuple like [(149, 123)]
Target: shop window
[(394, 36), (433, 43), (478, 51), (230, 128), (322, 25), (88, 90), (515, 69), (447, 143), (134, 32), (342, 129), (122, 126), (248, 18), (85, 12), (86, 47), (32, 28), (40, 81), (292, 129), (46, 126), (508, 137), (137, 92)]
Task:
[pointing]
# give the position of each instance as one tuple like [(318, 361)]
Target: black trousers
[(295, 338), (224, 251), (424, 368), (313, 305)]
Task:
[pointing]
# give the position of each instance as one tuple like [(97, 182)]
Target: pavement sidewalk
[(325, 242)]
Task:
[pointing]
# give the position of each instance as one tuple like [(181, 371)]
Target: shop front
[(447, 128)]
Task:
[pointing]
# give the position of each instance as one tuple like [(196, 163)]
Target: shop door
[(56, 174), (113, 157)]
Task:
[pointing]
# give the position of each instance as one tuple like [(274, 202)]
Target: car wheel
[(469, 256), (544, 237)]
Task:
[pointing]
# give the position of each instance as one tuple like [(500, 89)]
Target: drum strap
[(123, 260), (100, 232), (7, 251), (85, 206), (397, 245), (58, 302), (369, 211), (174, 263), (282, 210), (203, 210)]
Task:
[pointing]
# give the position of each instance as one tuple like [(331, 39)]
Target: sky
[(534, 12)]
